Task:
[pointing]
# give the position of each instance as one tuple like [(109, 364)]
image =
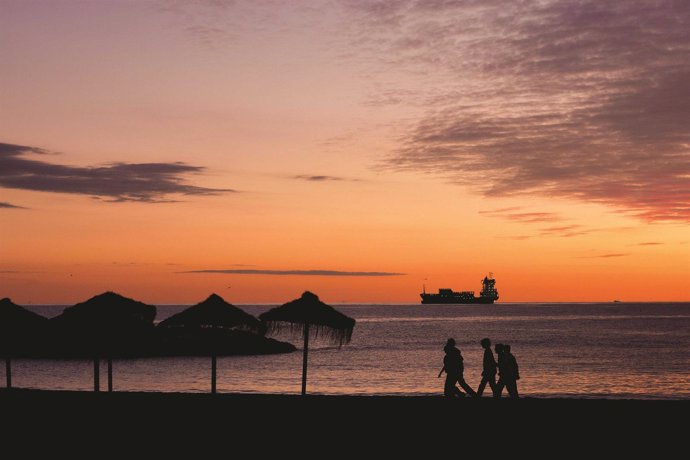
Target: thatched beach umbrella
[(213, 313), (106, 324), (309, 316), (19, 327)]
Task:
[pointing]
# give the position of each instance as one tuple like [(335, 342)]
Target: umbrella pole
[(8, 371), (110, 375), (213, 373), (304, 359), (96, 374)]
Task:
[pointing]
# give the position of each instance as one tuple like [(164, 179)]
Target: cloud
[(524, 217), (583, 100), (5, 205), (566, 231), (533, 217), (295, 272), (501, 210), (650, 243), (116, 182), (317, 178), (604, 256), (208, 22)]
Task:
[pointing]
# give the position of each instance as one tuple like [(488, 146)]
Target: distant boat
[(616, 301), (488, 294)]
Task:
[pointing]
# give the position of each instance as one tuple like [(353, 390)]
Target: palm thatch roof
[(107, 311), (323, 320), (21, 331), (14, 318), (214, 312)]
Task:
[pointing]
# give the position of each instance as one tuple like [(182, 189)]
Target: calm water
[(621, 350)]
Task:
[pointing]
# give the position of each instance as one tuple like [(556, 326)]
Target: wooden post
[(8, 371), (96, 375), (110, 375), (304, 360), (213, 373)]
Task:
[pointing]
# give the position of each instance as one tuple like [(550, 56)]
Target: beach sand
[(274, 423)]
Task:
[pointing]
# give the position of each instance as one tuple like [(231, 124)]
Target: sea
[(577, 350)]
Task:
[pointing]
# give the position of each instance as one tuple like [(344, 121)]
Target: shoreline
[(420, 396), (4, 392)]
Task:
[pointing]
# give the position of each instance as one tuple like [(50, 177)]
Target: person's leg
[(511, 386), (450, 389), (482, 385), (458, 393), (466, 387), (449, 386), (492, 383), (499, 388)]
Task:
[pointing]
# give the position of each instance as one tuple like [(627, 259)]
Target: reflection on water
[(589, 350)]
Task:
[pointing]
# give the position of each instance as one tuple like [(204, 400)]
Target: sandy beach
[(166, 420)]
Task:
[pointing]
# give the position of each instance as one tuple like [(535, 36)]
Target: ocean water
[(613, 350)]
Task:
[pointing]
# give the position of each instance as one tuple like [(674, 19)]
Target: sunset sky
[(358, 149)]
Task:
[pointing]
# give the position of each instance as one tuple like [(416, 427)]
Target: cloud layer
[(576, 99), (296, 272), (147, 182), (5, 205)]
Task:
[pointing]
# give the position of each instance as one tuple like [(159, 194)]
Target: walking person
[(500, 365), (509, 372), (454, 368), (489, 369)]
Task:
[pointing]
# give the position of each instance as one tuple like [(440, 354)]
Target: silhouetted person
[(454, 368), (451, 368), (509, 372), (489, 369), (500, 364)]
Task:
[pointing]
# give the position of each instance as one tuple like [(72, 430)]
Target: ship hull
[(448, 300)]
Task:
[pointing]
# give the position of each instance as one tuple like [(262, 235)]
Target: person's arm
[(441, 372), (517, 371)]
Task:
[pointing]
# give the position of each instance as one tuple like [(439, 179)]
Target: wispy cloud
[(650, 243), (295, 272), (566, 231), (500, 211), (5, 205), (604, 256), (117, 182), (319, 178), (524, 216), (211, 23), (533, 217), (584, 100)]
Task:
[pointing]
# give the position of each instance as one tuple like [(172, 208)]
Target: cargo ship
[(488, 294)]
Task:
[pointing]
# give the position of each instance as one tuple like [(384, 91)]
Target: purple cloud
[(146, 182)]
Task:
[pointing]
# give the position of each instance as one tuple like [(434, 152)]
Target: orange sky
[(144, 144)]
